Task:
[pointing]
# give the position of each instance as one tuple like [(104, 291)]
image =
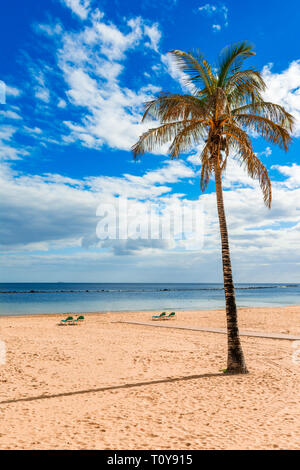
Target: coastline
[(148, 312), (111, 312), (84, 298), (110, 385)]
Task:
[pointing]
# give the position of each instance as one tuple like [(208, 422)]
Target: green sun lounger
[(159, 317), (67, 321), (171, 315), (79, 319)]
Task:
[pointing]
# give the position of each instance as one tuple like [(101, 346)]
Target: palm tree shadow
[(114, 387)]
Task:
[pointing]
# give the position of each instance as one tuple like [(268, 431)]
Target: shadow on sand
[(114, 387)]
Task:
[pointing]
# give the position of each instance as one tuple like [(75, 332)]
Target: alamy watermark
[(2, 353), (2, 92), (296, 352), (124, 219)]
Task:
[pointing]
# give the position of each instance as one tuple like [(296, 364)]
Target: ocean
[(35, 298)]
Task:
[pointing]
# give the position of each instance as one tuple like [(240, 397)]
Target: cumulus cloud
[(56, 209), (137, 247), (56, 212), (92, 62), (292, 173), (154, 35), (284, 88), (81, 8)]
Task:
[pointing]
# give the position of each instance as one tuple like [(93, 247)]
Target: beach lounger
[(159, 317), (67, 321), (79, 319), (171, 315)]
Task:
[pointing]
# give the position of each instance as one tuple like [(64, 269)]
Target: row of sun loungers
[(80, 319), (72, 321), (164, 316)]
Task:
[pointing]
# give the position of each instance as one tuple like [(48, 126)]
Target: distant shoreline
[(79, 291), (33, 298), (142, 312)]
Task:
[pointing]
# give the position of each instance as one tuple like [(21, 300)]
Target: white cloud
[(113, 43), (42, 94), (154, 35), (208, 8), (265, 153), (235, 176), (284, 88), (54, 212), (49, 29), (12, 91), (62, 104), (8, 150), (225, 11), (150, 185), (91, 61), (33, 130), (10, 115), (292, 173), (81, 8), (40, 90), (220, 11), (52, 208), (173, 70)]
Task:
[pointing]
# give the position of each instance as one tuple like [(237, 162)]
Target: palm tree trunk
[(235, 361)]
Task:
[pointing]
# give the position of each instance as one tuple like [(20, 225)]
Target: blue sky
[(76, 74)]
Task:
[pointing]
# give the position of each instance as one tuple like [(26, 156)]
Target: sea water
[(35, 298)]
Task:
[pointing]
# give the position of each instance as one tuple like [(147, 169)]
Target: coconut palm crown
[(224, 105)]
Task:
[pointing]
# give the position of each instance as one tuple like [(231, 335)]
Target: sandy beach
[(110, 385)]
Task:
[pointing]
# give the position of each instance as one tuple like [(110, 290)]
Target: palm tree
[(223, 104)]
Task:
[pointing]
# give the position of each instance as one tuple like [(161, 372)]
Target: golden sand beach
[(110, 385)]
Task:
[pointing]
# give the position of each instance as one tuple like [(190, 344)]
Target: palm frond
[(243, 96), (254, 167), (190, 135), (271, 111), (274, 133), (157, 136), (243, 80), (196, 68), (206, 168), (169, 107), (231, 60), (231, 130), (255, 170)]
